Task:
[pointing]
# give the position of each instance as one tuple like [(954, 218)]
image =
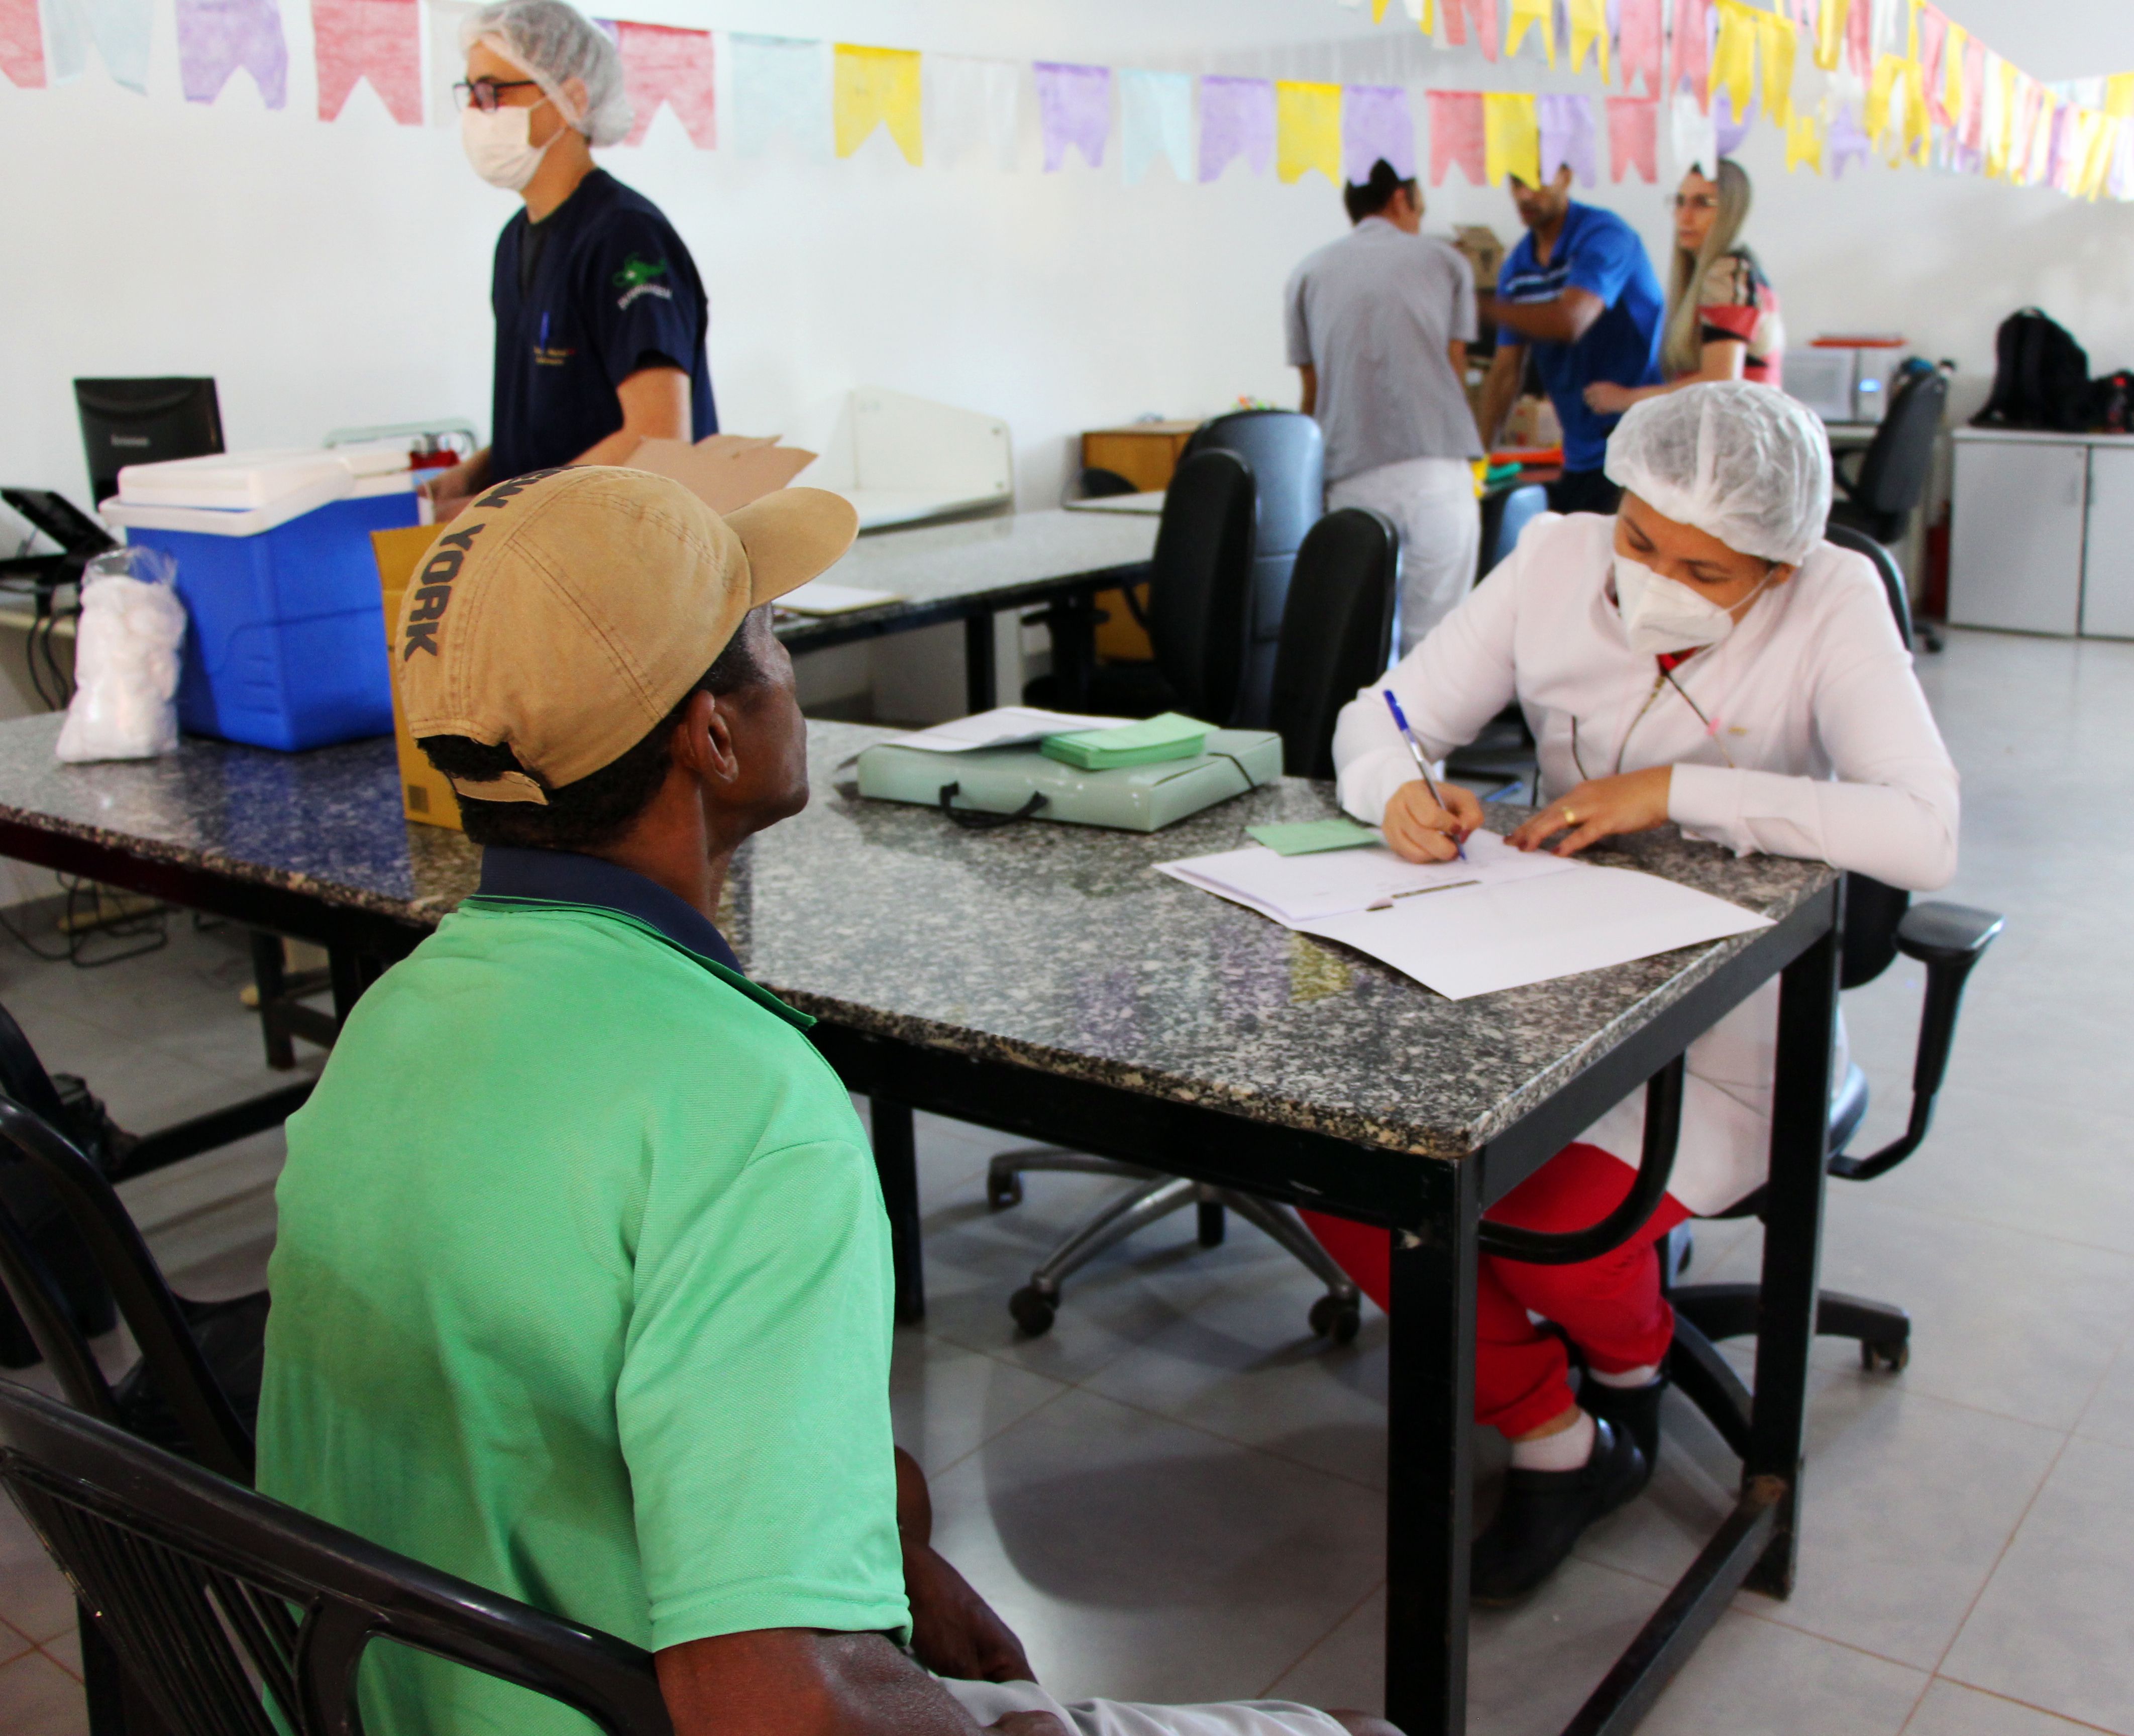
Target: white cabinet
[(2107, 567), (2042, 537)]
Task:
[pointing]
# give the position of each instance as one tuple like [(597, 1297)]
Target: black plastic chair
[(1879, 497), (1337, 632), (1505, 517), (237, 1616), (1844, 536), (1100, 484), (1287, 454)]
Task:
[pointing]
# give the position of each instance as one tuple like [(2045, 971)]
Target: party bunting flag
[(378, 39), (1971, 123), (120, 30), (1998, 87), (1237, 119), (1734, 55), (1634, 133), (1934, 51), (1830, 35), (1638, 44), (1728, 130), (1511, 134), (662, 65), (1073, 112), (1156, 119), (876, 87), (973, 105), (1692, 134), (780, 88), (1885, 96), (2120, 185), (21, 45), (1529, 14), (2119, 96), (1804, 142), (1956, 42), (1307, 123), (1692, 65), (1587, 21), (216, 37), (1455, 136), (1482, 14), (1567, 137), (1860, 37), (1847, 141), (1778, 41), (1376, 123)]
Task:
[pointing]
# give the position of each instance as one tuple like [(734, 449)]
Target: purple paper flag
[(1074, 107), (1375, 123), (216, 37), (1237, 119), (1845, 140), (1569, 135), (1731, 131)]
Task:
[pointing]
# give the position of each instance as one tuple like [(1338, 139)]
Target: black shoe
[(1634, 1408), (1544, 1512)]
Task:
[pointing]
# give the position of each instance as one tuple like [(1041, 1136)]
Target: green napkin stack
[(1169, 736)]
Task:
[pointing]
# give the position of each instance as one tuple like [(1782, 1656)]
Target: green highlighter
[(1307, 837), (1167, 736)]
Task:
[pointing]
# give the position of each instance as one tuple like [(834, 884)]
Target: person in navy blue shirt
[(601, 315), (1580, 292)]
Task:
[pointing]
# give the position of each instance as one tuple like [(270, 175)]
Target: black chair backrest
[(1885, 569), (1893, 471), (1100, 484), (1288, 456), (222, 1603), (180, 1373), (1504, 517), (1200, 588), (1336, 633)]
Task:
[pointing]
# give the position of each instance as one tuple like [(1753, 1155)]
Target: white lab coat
[(1835, 756)]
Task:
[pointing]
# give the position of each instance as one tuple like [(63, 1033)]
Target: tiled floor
[(1176, 1494)]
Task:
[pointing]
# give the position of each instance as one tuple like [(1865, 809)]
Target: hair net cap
[(557, 43), (1743, 463)]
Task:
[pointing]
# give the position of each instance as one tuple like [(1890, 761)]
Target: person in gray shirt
[(1378, 325)]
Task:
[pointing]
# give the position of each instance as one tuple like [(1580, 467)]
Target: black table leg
[(981, 684), (1430, 1468), (896, 1160), (351, 973), (1792, 1244)]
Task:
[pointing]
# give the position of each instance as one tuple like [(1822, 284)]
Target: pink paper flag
[(1971, 123), (1633, 137), (1456, 135), (1638, 44), (1859, 37), (663, 64), (1484, 13), (1074, 108), (1846, 140), (22, 44), (1934, 43), (1375, 123), (1693, 49), (1567, 136), (1237, 119), (378, 39), (216, 37)]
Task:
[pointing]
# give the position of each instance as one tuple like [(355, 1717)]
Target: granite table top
[(1051, 945)]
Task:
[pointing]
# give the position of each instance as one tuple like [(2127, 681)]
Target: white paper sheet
[(1004, 727), (817, 598), (1294, 889)]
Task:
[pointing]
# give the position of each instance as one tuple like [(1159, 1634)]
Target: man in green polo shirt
[(581, 1287)]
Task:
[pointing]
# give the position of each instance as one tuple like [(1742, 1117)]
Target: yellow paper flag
[(1919, 132), (2093, 154), (1511, 137), (2000, 132), (1780, 44), (1883, 98), (1830, 34), (1805, 142), (1427, 23), (1589, 25), (1307, 130), (1377, 12), (1952, 67), (1734, 57), (1526, 12), (2119, 96), (873, 87)]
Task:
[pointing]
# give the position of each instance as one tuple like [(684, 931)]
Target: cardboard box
[(1483, 250), (425, 793)]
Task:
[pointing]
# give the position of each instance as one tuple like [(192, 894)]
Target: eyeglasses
[(1695, 201), (482, 93)]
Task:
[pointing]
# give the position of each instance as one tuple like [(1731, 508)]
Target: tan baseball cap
[(565, 613)]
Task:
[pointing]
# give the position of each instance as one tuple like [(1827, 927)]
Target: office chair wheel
[(1889, 1357), (1331, 1317), (1003, 1190), (1034, 1312)]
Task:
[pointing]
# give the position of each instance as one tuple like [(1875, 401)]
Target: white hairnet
[(555, 43), (1745, 463)]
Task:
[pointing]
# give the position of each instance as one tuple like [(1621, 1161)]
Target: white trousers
[(987, 1701), (1432, 502)]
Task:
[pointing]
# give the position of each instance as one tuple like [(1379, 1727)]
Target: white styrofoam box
[(901, 459), (323, 490), (232, 482)]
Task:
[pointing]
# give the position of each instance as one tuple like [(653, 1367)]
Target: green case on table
[(1152, 741), (1003, 780)]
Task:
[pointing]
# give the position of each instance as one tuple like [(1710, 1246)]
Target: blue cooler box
[(285, 646)]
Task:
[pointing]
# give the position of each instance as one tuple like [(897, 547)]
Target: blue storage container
[(285, 643)]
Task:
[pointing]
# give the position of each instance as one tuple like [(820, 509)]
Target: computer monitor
[(144, 421)]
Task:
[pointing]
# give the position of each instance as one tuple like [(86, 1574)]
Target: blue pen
[(1422, 762)]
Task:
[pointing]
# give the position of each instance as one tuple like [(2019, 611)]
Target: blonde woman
[(1722, 318)]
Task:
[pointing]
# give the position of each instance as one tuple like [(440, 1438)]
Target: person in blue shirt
[(1579, 292), (601, 315)]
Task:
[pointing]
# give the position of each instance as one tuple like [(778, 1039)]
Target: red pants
[(1611, 1307)]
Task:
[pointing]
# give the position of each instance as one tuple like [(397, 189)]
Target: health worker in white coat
[(1702, 657)]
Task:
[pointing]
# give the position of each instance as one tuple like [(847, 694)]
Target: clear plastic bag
[(126, 660)]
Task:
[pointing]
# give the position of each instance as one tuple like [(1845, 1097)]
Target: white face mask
[(1663, 615), (497, 145)]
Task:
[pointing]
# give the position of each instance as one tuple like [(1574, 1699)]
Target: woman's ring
[(1569, 818)]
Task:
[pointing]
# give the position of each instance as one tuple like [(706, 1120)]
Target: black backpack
[(2040, 377)]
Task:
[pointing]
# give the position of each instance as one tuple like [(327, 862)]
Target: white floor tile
[(1949, 1709), (37, 1698), (1750, 1679), (946, 1399), (34, 1599)]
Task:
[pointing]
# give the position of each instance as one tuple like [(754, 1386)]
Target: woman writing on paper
[(1705, 658), (1722, 317)]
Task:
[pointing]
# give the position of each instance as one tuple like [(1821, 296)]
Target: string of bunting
[(1842, 80)]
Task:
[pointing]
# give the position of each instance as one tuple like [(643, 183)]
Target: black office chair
[(1100, 484), (1335, 636), (1199, 606), (1879, 496), (1844, 536), (238, 1616), (1505, 517), (1287, 454)]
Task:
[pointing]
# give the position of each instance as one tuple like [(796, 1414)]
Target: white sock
[(1643, 1375), (1567, 1450)]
